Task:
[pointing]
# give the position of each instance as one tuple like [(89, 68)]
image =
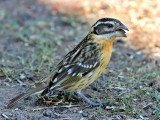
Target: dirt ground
[(33, 39)]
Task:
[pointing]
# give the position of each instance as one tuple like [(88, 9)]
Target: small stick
[(5, 116), (66, 106)]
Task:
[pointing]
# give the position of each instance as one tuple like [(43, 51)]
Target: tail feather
[(38, 87)]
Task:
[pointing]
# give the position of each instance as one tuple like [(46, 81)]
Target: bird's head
[(108, 28)]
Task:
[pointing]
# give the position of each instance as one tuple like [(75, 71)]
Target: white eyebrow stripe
[(111, 22)]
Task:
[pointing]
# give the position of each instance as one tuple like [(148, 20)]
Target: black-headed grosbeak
[(84, 64)]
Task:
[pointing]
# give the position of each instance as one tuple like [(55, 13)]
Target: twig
[(66, 106), (118, 88), (5, 116)]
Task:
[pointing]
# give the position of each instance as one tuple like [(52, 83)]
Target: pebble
[(84, 114), (48, 113)]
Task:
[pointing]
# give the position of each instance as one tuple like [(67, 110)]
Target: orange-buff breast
[(105, 48)]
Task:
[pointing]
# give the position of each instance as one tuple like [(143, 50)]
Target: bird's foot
[(87, 100)]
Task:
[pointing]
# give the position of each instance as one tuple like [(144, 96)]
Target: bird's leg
[(86, 99)]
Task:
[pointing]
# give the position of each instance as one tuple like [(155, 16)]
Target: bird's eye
[(109, 25)]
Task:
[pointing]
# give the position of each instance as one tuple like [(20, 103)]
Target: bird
[(83, 64)]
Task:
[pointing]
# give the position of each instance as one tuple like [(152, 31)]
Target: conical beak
[(122, 26), (121, 30)]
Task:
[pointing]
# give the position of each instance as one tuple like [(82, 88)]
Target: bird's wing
[(76, 64)]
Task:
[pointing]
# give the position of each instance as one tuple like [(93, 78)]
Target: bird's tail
[(38, 87)]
